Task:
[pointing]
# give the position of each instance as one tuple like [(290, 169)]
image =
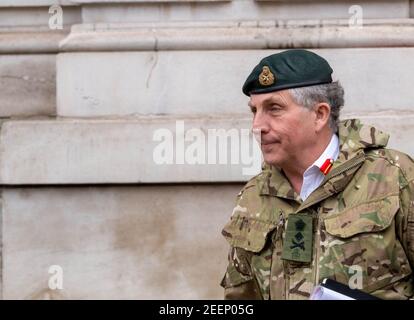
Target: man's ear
[(322, 113)]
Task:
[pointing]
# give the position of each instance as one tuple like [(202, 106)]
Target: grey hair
[(331, 93)]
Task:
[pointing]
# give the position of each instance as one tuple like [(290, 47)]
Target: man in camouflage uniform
[(331, 200)]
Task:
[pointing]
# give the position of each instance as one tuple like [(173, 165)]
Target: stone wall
[(79, 107)]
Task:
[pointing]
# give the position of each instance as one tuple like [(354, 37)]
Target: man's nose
[(260, 123)]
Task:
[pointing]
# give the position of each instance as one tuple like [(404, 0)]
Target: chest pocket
[(361, 248), (249, 234), (251, 237)]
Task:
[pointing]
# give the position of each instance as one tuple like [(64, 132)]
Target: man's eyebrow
[(268, 101), (273, 100)]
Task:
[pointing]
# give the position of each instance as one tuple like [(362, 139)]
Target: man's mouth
[(266, 143), (268, 146)]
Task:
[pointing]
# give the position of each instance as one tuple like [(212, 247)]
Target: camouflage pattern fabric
[(363, 222)]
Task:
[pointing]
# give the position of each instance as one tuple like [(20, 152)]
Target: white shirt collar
[(331, 152), (313, 177)]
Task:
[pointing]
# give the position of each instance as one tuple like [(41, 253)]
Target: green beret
[(288, 69)]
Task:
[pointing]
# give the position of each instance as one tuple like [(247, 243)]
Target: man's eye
[(274, 108), (253, 110)]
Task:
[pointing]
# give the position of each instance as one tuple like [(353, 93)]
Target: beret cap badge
[(266, 77)]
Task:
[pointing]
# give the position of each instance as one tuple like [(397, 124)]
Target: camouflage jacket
[(363, 219)]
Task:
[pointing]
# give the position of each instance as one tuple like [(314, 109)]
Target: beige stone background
[(79, 105)]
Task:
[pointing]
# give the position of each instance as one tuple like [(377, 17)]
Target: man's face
[(287, 129)]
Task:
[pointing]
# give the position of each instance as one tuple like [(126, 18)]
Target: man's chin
[(269, 160)]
